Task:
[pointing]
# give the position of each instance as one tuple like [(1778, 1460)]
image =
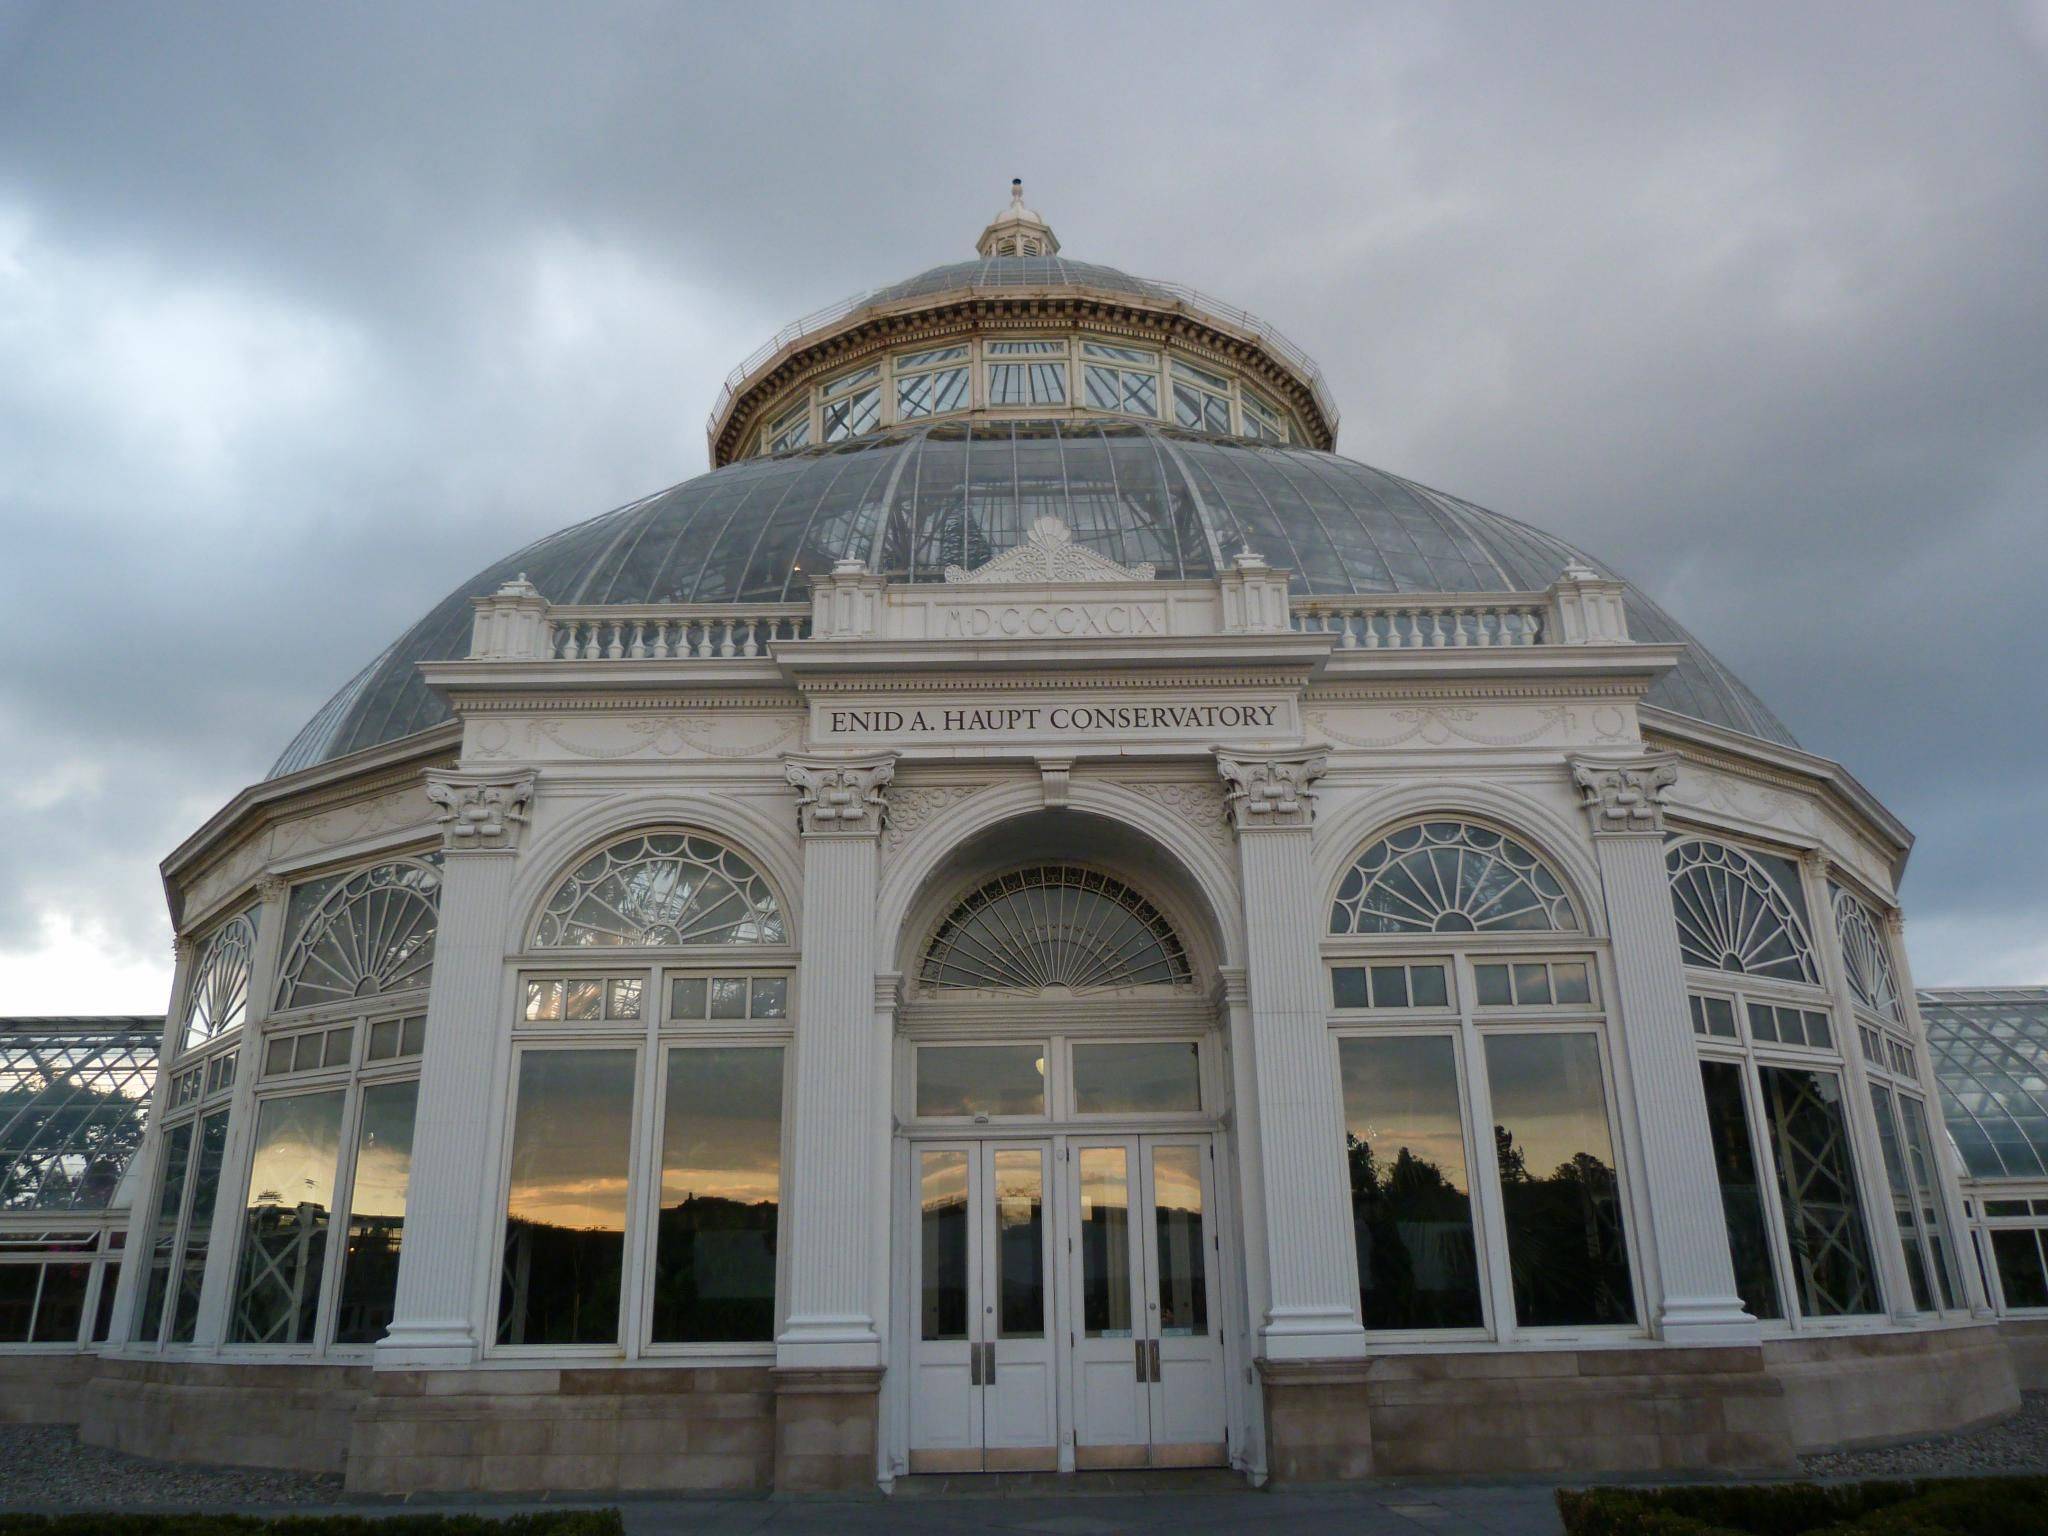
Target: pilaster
[(1623, 800), (840, 1099), (482, 818), (1311, 1309)]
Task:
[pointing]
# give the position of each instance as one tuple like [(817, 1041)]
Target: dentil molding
[(838, 796), (1271, 790), (480, 811), (1626, 795)]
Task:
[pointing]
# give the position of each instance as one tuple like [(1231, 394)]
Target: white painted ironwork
[(1450, 877), (218, 1001), (657, 889), (1732, 916), (1866, 958), (369, 935), (1056, 926)]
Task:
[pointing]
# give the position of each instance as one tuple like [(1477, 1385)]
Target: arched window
[(1734, 914), (1866, 957), (657, 889), (217, 1002), (1055, 926), (370, 934), (1451, 877)]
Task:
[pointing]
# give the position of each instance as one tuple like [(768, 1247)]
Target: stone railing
[(1401, 624), (672, 633)]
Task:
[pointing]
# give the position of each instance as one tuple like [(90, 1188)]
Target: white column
[(1624, 800), (1312, 1298), (482, 816), (837, 1207)]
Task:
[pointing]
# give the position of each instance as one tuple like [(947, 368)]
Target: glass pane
[(1149, 1078), (586, 1000), (565, 1225), (413, 1035), (376, 1213), (1817, 1184), (170, 1199), (1177, 1218), (543, 1000), (1532, 984), (1347, 986), (2020, 1272), (686, 997), (1742, 1195), (1933, 1218), (383, 1039), (729, 997), (18, 1286), (771, 997), (1902, 1197), (942, 1198), (277, 1058), (1411, 1198), (1431, 988), (1560, 1197), (284, 1228), (1763, 1023), (340, 1042), (62, 1307), (1817, 1031), (622, 1000), (1020, 1243), (721, 1194), (213, 1144), (981, 1080), (1720, 1017), (1493, 985), (1105, 1243), (1389, 986), (1573, 985)]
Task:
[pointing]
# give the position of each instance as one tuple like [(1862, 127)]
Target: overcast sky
[(308, 312)]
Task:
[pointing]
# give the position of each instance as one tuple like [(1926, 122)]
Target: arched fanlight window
[(217, 1002), (1734, 915), (370, 934), (1866, 957), (1055, 926), (660, 888), (1450, 877)]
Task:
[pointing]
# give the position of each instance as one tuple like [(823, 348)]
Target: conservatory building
[(1037, 918)]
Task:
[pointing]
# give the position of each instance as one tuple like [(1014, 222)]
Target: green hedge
[(567, 1522), (1988, 1506)]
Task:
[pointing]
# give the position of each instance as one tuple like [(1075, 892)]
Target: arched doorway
[(1065, 1290)]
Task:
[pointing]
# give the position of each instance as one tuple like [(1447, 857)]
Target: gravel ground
[(2019, 1444), (42, 1466)]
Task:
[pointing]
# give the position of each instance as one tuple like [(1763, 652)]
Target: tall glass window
[(286, 1219), (213, 1143), (376, 1213), (1742, 1191), (1124, 380), (721, 1195), (1411, 1195), (1809, 1137), (1560, 1195), (1941, 1248), (177, 1165), (931, 383), (1201, 399), (565, 1226), (852, 405)]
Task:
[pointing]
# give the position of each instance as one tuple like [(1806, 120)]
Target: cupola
[(1017, 230)]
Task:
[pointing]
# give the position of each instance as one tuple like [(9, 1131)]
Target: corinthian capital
[(1271, 789), (478, 810), (1625, 795), (840, 796)]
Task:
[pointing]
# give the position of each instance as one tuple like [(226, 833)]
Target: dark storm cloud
[(307, 313)]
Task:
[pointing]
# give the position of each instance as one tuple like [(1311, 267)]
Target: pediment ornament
[(1047, 557)]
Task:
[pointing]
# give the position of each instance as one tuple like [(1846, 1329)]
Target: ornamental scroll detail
[(840, 797), (1048, 557)]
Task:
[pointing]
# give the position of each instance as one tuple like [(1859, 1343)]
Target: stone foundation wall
[(44, 1389), (294, 1416), (690, 1429), (1867, 1389), (827, 1424), (2026, 1342)]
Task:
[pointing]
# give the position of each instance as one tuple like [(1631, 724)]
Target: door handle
[(974, 1365), (988, 1369), (1153, 1349), (1140, 1345)]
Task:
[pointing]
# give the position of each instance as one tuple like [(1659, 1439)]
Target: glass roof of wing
[(1021, 272), (1990, 1048), (911, 501), (74, 1096)]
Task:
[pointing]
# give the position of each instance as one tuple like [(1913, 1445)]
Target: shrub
[(1991, 1506)]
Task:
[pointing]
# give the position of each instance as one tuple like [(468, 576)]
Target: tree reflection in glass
[(565, 1225), (1411, 1197), (1567, 1254), (942, 1202), (284, 1234), (721, 1191), (376, 1215)]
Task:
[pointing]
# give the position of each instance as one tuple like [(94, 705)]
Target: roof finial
[(1017, 231)]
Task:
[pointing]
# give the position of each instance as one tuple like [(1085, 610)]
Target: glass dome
[(1990, 1048), (911, 501)]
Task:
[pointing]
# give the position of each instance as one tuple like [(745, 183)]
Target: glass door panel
[(1019, 1391), (945, 1371), (1111, 1366), (1186, 1348)]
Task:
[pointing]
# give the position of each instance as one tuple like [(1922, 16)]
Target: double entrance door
[(1064, 1293)]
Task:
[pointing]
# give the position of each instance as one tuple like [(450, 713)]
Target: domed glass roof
[(1990, 1048), (1023, 272), (911, 502)]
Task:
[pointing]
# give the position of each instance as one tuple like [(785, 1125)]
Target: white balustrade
[(671, 634), (1392, 624)]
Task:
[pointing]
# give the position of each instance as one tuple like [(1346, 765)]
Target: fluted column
[(482, 816), (1699, 1303), (840, 1106), (1311, 1307)]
